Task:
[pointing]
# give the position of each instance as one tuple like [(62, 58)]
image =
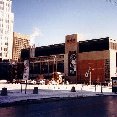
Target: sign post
[(26, 72), (26, 87)]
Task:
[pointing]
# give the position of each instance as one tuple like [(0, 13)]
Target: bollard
[(73, 89), (101, 89), (4, 92), (35, 91), (21, 88), (95, 87)]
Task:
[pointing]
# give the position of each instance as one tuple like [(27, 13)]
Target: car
[(3, 81), (23, 82), (42, 82), (32, 82)]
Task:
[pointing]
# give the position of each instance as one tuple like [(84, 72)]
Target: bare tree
[(112, 1)]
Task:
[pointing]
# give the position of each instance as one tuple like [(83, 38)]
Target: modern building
[(90, 61), (94, 61), (47, 59), (20, 41), (6, 29)]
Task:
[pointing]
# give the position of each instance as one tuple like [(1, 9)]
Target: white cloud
[(36, 34), (81, 37)]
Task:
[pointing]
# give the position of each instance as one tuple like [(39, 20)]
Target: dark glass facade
[(50, 50), (94, 45)]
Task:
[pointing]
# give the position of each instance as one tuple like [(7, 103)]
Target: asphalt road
[(103, 106)]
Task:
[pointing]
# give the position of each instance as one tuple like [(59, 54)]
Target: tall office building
[(20, 41), (6, 29)]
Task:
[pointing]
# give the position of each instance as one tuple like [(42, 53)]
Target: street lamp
[(40, 65), (48, 66), (54, 62), (88, 73)]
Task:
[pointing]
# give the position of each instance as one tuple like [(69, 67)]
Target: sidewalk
[(49, 91)]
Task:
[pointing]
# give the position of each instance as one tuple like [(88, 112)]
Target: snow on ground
[(47, 91)]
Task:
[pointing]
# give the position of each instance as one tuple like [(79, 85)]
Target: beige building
[(20, 41)]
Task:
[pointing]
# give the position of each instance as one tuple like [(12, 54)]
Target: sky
[(49, 21)]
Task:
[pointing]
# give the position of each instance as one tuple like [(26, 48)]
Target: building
[(90, 61), (47, 59), (6, 29), (20, 41), (94, 61)]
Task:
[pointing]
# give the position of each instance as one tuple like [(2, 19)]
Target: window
[(113, 46), (6, 44), (1, 2), (5, 49)]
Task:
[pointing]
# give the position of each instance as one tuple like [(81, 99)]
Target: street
[(102, 106)]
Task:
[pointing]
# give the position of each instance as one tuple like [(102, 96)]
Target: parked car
[(23, 82), (42, 82), (28, 82), (31, 82), (16, 81), (3, 81)]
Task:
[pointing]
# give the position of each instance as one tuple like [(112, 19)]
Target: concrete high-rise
[(20, 41), (6, 29)]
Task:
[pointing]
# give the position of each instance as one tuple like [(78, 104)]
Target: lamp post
[(53, 67), (88, 74), (90, 78), (40, 66), (54, 61), (48, 66)]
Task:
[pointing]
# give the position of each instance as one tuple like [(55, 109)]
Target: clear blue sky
[(54, 19)]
